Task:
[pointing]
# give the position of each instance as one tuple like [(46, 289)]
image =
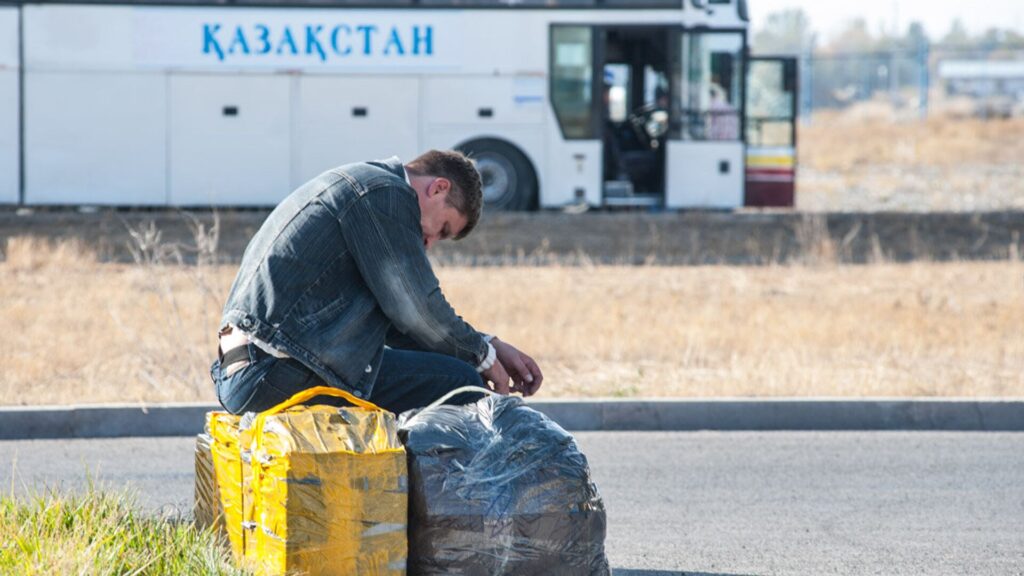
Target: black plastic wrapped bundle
[(498, 488)]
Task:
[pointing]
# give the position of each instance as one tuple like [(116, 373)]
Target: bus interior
[(635, 101)]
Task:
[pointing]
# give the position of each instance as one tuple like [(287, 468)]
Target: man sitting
[(335, 288)]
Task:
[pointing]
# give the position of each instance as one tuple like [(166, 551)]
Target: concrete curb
[(737, 414), (725, 414)]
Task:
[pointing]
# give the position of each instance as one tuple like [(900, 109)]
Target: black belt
[(241, 354)]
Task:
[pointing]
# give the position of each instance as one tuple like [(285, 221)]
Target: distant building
[(983, 78)]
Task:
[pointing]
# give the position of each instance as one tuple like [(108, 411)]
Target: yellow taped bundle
[(313, 490), (219, 478)]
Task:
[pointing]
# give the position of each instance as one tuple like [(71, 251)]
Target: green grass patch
[(102, 533)]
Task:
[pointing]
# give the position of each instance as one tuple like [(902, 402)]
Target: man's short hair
[(466, 195)]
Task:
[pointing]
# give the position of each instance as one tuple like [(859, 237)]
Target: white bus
[(561, 102)]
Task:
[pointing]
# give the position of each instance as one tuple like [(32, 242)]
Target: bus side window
[(572, 80)]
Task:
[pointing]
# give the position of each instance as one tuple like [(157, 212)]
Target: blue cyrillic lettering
[(287, 40), (258, 40), (423, 40), (394, 40), (334, 40), (313, 42), (210, 40), (367, 30), (239, 41), (263, 37)]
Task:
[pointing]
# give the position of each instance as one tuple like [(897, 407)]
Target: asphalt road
[(709, 504)]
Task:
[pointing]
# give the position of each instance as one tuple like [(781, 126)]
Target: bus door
[(705, 150), (771, 131), (633, 65)]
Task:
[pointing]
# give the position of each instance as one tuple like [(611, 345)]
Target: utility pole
[(806, 81), (923, 75), (894, 64)]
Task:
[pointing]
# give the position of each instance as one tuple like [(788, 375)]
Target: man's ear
[(439, 185)]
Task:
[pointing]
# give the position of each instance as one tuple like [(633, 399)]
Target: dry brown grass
[(863, 161), (76, 330)]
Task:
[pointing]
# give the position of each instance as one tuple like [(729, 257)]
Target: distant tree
[(853, 37), (916, 37), (992, 39), (785, 32), (994, 42), (1000, 44), (957, 37)]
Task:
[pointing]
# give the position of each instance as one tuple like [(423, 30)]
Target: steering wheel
[(650, 124)]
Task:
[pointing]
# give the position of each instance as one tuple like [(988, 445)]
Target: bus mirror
[(743, 10)]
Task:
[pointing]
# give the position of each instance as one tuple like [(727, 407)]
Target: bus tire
[(509, 180)]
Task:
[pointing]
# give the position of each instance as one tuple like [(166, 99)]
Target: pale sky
[(827, 16)]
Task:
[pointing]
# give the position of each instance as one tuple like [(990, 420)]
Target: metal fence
[(909, 80)]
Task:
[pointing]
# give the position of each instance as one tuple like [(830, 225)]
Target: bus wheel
[(509, 182)]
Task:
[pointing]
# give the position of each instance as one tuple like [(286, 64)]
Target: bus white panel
[(574, 172), (95, 138), (704, 174), (9, 137), (206, 38), (346, 119), (8, 37), (230, 139), (359, 41), (9, 126), (78, 37), (485, 101)]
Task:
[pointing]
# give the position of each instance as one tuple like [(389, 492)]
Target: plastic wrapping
[(206, 503), (313, 490), (498, 488)]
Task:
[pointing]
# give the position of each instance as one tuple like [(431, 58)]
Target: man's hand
[(526, 375), (498, 377)]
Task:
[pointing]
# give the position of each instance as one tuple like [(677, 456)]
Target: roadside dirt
[(688, 238)]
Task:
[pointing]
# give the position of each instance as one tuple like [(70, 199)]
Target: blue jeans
[(407, 379)]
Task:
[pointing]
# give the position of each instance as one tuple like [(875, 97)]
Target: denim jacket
[(338, 265)]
